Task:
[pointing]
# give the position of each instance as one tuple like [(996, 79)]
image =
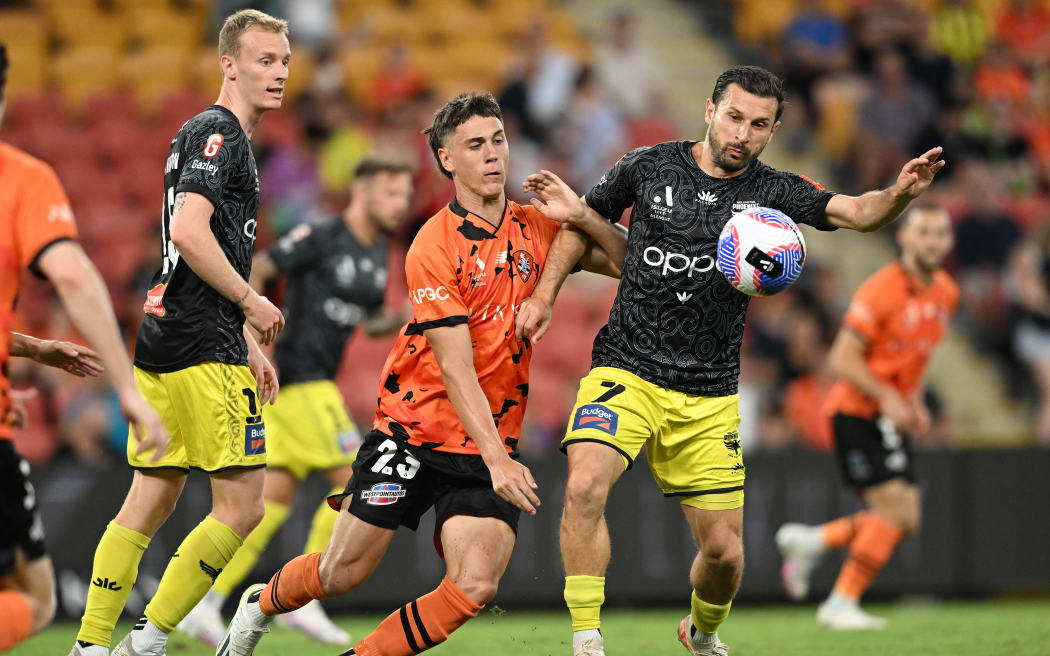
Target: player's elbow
[(180, 236)]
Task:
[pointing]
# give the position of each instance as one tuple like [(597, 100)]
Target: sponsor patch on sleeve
[(213, 144), (595, 416)]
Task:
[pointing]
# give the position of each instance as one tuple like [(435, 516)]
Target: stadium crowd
[(869, 81)]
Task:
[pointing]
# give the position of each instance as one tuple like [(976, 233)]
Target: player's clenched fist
[(263, 316), (514, 483), (533, 319)]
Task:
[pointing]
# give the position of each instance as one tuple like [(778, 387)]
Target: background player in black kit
[(193, 353), (337, 275), (665, 367)]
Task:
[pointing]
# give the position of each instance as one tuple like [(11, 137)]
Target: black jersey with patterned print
[(334, 283), (186, 321), (676, 322)]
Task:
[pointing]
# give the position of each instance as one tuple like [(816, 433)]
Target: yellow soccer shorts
[(692, 442), (309, 430), (212, 414)]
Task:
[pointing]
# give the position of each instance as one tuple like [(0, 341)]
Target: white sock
[(813, 540), (214, 600), (838, 600), (94, 650), (699, 638), (586, 634), (147, 638)]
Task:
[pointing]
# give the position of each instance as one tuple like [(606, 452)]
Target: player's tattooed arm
[(191, 233), (873, 210)]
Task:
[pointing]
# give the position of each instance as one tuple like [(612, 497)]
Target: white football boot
[(801, 547), (685, 636), (204, 623), (247, 626), (846, 615), (313, 621)]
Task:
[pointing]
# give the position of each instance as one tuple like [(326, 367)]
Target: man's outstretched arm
[(871, 211)]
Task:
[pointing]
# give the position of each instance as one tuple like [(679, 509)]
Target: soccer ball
[(761, 251)]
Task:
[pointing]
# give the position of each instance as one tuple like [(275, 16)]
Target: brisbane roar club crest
[(525, 265)]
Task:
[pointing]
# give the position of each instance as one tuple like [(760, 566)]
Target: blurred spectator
[(1024, 26), (396, 81), (541, 86), (1030, 290), (961, 30), (592, 135), (626, 70), (999, 77), (814, 44), (895, 114), (986, 232), (313, 21)]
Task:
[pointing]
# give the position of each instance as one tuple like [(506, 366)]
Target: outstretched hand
[(556, 199), (916, 176), (74, 358)]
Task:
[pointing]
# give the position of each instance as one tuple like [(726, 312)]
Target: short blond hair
[(237, 24)]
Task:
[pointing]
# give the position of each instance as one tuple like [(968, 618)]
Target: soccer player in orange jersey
[(894, 322), (37, 231), (451, 399)]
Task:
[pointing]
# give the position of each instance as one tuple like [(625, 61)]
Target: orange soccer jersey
[(901, 321), (460, 270), (34, 213)]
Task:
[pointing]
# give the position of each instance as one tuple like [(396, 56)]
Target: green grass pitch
[(1018, 628)]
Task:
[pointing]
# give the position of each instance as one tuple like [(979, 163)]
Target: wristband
[(246, 292)]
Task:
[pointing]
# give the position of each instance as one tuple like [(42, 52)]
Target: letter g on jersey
[(422, 294), (670, 262)]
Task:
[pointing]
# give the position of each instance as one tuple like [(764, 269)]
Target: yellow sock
[(322, 526), (246, 557), (708, 617), (584, 595), (113, 575), (191, 572)]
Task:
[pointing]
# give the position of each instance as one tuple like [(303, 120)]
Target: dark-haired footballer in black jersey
[(336, 274), (665, 367), (195, 362)]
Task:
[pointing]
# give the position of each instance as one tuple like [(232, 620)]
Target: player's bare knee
[(726, 553), (585, 496)]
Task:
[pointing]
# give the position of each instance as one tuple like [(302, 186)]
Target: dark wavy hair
[(753, 79), (455, 113)]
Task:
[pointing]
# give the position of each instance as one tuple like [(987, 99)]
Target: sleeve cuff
[(210, 194), (821, 223), (591, 203), (34, 264), (417, 327)]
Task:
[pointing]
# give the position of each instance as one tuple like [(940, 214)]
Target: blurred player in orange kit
[(451, 399), (37, 231), (896, 319)]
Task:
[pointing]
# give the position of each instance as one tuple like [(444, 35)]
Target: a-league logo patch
[(383, 494), (254, 439), (596, 416)]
